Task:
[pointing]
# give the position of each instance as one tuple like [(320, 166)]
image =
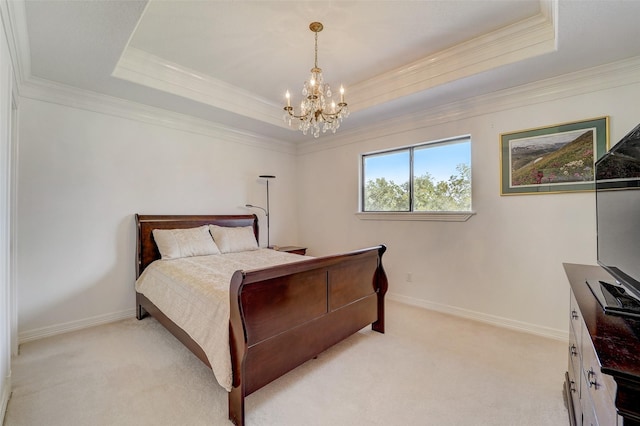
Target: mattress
[(194, 293)]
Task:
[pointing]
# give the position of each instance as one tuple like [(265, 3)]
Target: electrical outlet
[(409, 277)]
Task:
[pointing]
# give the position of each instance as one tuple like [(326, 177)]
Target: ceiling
[(230, 62)]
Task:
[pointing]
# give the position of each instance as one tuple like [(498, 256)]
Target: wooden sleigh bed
[(280, 316)]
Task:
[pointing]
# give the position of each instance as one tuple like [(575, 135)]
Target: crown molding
[(608, 76), (14, 21), (143, 68), (537, 35), (522, 40), (13, 15), (48, 91)]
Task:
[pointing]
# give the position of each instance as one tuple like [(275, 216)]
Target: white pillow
[(232, 240), (177, 243)]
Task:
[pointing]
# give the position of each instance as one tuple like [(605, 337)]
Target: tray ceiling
[(230, 62)]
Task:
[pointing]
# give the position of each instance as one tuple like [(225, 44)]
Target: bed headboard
[(146, 249)]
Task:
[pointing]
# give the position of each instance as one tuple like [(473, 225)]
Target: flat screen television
[(617, 187)]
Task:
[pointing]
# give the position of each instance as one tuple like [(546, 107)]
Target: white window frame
[(443, 216)]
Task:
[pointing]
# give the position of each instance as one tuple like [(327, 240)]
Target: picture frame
[(552, 159)]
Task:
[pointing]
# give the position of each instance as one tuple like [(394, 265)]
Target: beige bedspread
[(194, 293)]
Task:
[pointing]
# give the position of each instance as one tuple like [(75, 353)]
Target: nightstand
[(293, 249)]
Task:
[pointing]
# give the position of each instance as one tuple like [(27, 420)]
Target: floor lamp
[(266, 212)]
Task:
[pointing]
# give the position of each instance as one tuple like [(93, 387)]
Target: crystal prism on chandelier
[(317, 109)]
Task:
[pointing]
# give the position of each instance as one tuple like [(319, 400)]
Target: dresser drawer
[(575, 318), (575, 361), (609, 343), (572, 392), (598, 387), (588, 414)]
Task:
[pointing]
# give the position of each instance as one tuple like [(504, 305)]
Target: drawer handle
[(573, 350), (591, 378), (574, 314)]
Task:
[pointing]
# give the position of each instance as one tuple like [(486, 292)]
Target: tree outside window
[(430, 177)]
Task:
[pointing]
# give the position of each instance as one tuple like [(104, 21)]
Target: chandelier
[(317, 109)]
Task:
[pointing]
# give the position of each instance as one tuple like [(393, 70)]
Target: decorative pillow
[(232, 240), (177, 243)]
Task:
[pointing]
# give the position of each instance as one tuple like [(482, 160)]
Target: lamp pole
[(266, 212), (267, 177)]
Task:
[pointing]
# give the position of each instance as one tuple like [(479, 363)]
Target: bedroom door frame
[(12, 199)]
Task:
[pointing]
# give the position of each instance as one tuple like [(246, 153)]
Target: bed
[(278, 316)]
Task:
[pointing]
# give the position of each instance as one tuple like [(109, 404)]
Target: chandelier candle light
[(317, 109)]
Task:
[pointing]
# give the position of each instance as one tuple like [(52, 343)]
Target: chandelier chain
[(315, 62)]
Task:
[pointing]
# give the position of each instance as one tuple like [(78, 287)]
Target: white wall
[(6, 295), (83, 175), (504, 265)]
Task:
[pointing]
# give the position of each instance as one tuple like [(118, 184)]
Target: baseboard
[(6, 393), (52, 330), (563, 335), (538, 330)]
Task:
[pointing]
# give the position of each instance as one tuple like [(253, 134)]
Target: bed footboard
[(281, 316), (285, 315)]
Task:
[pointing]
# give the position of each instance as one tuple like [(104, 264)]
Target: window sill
[(414, 216)]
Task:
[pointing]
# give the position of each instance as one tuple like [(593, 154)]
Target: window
[(429, 177)]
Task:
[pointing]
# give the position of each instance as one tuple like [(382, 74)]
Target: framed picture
[(558, 158)]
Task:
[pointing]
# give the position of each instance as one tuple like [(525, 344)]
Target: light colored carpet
[(428, 369)]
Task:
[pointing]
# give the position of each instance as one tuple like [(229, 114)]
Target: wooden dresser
[(602, 384)]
